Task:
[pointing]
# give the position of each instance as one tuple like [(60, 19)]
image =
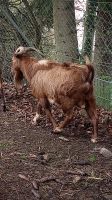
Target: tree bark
[(89, 27), (65, 30), (34, 21)]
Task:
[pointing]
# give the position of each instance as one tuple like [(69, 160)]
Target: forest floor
[(37, 164)]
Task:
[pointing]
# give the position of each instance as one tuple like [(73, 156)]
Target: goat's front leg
[(37, 115), (91, 111)]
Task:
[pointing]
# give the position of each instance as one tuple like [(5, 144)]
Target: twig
[(36, 184), (24, 177), (36, 193), (82, 162), (84, 174), (95, 178), (48, 179), (80, 173)]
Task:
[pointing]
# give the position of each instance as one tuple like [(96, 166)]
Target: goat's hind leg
[(67, 119), (91, 111), (46, 105), (67, 105)]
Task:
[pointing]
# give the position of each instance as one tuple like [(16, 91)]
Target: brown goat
[(69, 84), (2, 93)]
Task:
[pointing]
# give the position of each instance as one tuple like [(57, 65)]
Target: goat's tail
[(91, 73)]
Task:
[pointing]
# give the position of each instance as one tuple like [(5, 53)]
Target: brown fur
[(68, 84)]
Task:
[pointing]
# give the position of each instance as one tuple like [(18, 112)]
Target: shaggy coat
[(70, 85)]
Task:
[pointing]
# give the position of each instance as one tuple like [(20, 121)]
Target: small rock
[(105, 152), (46, 157)]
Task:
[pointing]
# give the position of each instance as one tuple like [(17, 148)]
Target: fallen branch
[(36, 183), (48, 179)]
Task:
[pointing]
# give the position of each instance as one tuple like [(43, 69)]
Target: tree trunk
[(65, 30), (89, 27), (103, 39), (34, 21)]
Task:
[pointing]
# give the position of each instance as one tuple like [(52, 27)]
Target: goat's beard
[(18, 80)]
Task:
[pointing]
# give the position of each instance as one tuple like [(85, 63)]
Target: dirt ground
[(37, 164)]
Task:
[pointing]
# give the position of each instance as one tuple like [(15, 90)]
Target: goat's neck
[(28, 69)]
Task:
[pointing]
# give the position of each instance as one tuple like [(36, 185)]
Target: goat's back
[(58, 80)]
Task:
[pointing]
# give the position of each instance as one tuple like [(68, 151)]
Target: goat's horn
[(34, 49), (22, 50), (31, 49)]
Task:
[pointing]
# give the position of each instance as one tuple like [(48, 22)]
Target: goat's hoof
[(57, 130), (35, 119), (93, 140), (33, 122)]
